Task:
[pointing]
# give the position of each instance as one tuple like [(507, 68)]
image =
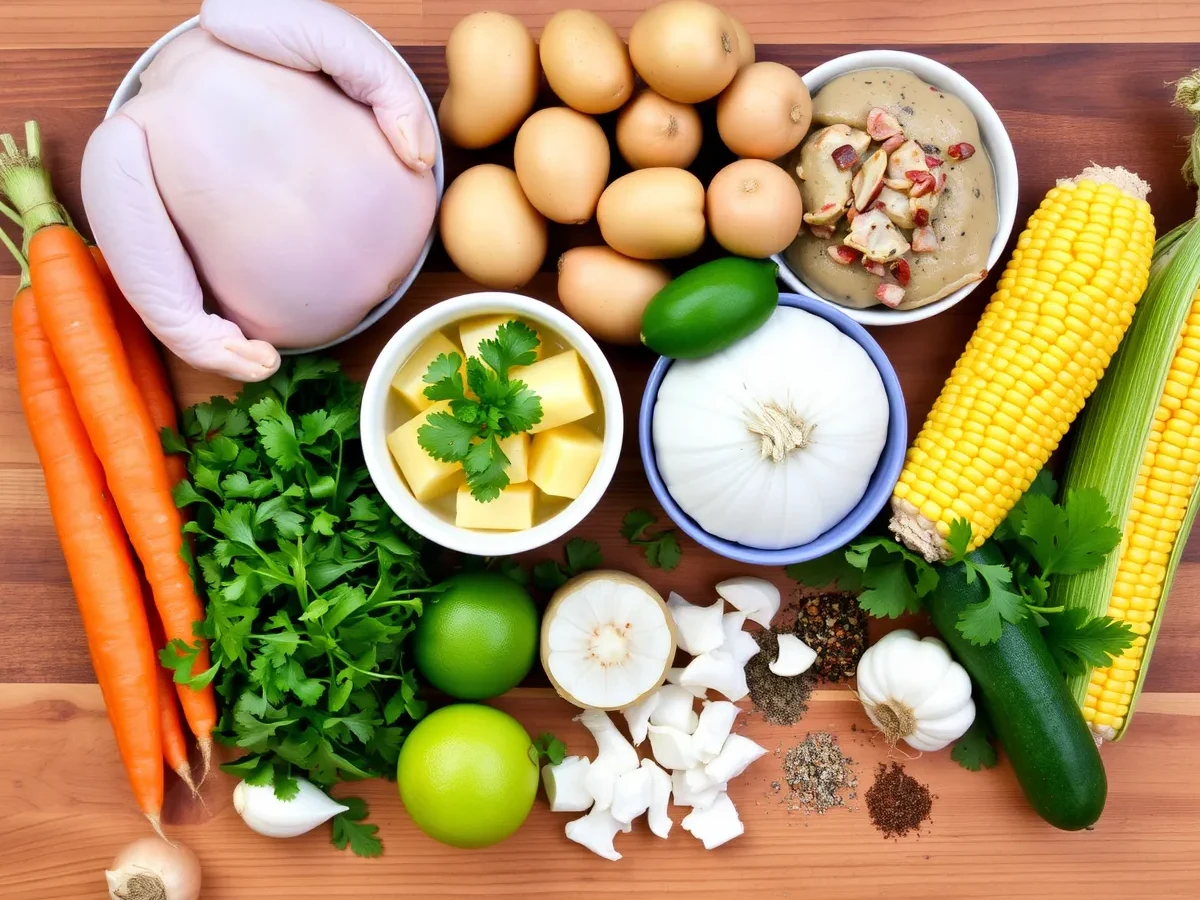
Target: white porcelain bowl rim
[(374, 438), (1000, 151), (131, 84)]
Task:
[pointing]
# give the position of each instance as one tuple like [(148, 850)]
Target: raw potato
[(765, 112), (684, 49), (754, 208), (653, 214), (586, 62), (653, 131), (606, 292), (561, 157), (745, 43), (494, 72), (492, 233)]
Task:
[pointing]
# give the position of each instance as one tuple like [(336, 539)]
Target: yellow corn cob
[(1059, 312), (1139, 444)]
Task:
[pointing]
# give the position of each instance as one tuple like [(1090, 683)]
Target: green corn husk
[(1111, 437)]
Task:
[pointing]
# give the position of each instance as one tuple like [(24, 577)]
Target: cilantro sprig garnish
[(311, 585), (1041, 539), (549, 748), (661, 547), (579, 556), (499, 407)]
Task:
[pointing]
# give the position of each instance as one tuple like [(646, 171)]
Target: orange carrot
[(98, 559), (174, 744), (145, 362), (74, 311)]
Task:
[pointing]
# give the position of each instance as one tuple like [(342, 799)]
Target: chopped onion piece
[(672, 748), (757, 598), (716, 721), (735, 757), (795, 657), (631, 797), (674, 708), (660, 799), (596, 831), (566, 784), (716, 825), (698, 627)]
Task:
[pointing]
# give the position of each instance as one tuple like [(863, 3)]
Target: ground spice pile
[(781, 700), (835, 627), (819, 776), (897, 802)]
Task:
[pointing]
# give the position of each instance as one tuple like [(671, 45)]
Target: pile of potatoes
[(494, 219)]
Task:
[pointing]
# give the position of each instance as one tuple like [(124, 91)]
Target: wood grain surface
[(136, 23), (64, 804)]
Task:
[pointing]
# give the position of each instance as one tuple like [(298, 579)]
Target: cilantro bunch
[(311, 582), (1040, 539), (470, 432)]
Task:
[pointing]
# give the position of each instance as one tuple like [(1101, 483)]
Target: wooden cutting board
[(65, 807)]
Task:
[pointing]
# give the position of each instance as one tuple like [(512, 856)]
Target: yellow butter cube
[(511, 511), (410, 382), (561, 383), (516, 448), (427, 477), (561, 460), (473, 332)]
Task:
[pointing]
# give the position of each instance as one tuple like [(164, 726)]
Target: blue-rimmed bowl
[(879, 488)]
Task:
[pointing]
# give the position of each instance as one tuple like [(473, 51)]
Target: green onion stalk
[(1114, 429)]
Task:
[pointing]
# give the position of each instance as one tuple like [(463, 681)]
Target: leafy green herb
[(471, 431), (311, 582), (548, 747), (661, 547), (1040, 538), (510, 568), (830, 570), (896, 582), (1077, 640), (349, 829), (975, 750), (579, 556)]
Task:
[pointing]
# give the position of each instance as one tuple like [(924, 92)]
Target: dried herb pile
[(897, 802)]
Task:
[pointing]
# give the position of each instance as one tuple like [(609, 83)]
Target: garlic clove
[(631, 797), (735, 758), (615, 756), (719, 671), (716, 721), (953, 692), (671, 747), (685, 796), (675, 673), (268, 815), (716, 825), (758, 598), (674, 708), (795, 657), (935, 735), (637, 716), (660, 798), (738, 644), (698, 627), (566, 784), (596, 831)]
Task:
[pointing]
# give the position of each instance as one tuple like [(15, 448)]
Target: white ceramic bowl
[(382, 413), (132, 83), (995, 140)]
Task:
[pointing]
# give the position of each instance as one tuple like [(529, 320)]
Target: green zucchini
[(1035, 718)]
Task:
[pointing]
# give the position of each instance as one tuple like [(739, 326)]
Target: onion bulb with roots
[(151, 868)]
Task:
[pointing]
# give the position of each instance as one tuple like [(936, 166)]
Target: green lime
[(709, 307), (466, 775), (479, 638)]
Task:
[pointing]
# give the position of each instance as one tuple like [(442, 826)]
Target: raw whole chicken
[(278, 159)]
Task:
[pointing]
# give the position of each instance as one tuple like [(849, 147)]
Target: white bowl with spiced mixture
[(910, 188)]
